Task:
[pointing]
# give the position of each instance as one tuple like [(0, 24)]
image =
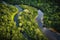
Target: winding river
[(17, 24), (39, 17), (50, 35), (16, 16), (39, 20)]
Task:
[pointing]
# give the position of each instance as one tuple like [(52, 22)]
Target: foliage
[(28, 23), (8, 30), (49, 7)]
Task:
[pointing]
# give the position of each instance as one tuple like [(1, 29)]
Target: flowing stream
[(40, 15), (39, 21), (16, 16)]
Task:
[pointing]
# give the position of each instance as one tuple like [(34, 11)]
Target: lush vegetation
[(6, 20), (49, 7), (28, 23), (8, 30), (28, 28)]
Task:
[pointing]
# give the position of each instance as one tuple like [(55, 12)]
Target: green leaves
[(28, 23)]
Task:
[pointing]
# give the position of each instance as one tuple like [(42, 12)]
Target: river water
[(50, 35), (16, 16)]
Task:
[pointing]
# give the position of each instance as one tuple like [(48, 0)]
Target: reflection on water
[(49, 34), (40, 18)]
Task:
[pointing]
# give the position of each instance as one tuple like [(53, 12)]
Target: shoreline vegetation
[(13, 14)]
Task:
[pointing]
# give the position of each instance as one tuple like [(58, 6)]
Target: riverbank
[(17, 14), (13, 14)]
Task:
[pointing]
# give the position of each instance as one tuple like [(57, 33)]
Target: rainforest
[(18, 18)]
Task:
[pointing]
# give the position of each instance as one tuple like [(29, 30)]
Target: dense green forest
[(28, 28), (49, 7), (8, 28)]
